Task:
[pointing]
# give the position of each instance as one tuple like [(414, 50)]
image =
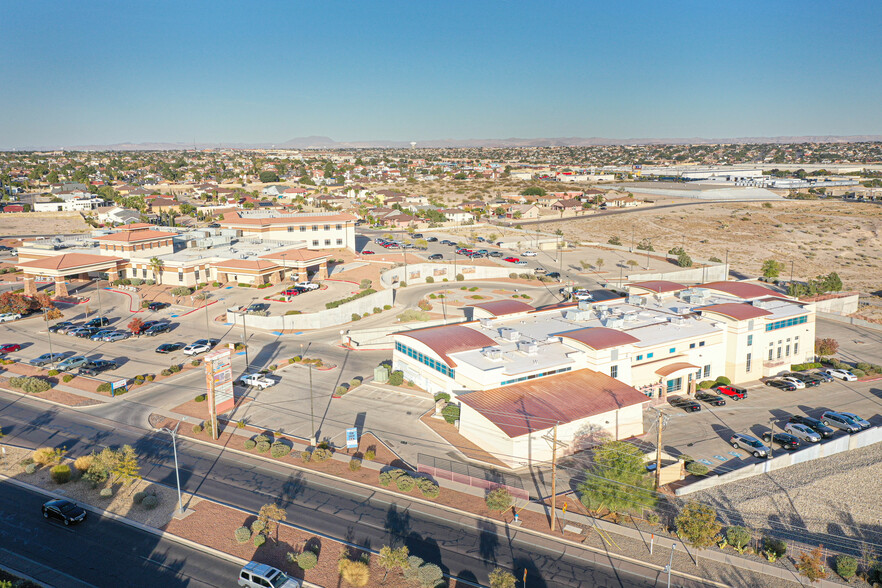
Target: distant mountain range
[(319, 142)]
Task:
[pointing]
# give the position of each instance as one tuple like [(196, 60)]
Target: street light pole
[(244, 340), (670, 563), (174, 436), (49, 336)]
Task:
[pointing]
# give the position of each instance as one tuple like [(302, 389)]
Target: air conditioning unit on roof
[(509, 334), (493, 353)]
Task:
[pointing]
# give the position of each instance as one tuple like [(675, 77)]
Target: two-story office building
[(591, 367)]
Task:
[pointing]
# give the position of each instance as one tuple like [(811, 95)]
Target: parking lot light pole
[(670, 563), (245, 339), (49, 336), (174, 436)]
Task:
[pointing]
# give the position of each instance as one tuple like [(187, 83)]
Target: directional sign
[(352, 438), (119, 384)]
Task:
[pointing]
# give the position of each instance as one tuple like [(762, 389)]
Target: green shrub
[(60, 474), (150, 501), (354, 465), (858, 373), (473, 289), (356, 316), (362, 294), (429, 575), (723, 380), (774, 547), (136, 281), (321, 454), (33, 385), (242, 534), (258, 526), (259, 540), (139, 496), (243, 285), (846, 566), (396, 378), (385, 478), (306, 560), (105, 387), (215, 284), (165, 373), (738, 537), (280, 449), (405, 483), (402, 284), (460, 277), (240, 424), (195, 362), (250, 444), (305, 455), (370, 454), (430, 280), (262, 439), (498, 499), (697, 468), (200, 398), (513, 275), (106, 492), (174, 368), (428, 488), (197, 428), (30, 468), (355, 382), (181, 291), (442, 396), (387, 307), (52, 373), (451, 413), (263, 447), (67, 378), (377, 310), (705, 384), (149, 282)]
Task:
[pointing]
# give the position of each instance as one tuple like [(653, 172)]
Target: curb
[(46, 400), (23, 576), (473, 516)]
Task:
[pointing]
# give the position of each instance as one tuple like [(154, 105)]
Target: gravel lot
[(832, 502)]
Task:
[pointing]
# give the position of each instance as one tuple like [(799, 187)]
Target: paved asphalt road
[(463, 547), (99, 551)]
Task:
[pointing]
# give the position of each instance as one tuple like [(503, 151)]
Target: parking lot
[(705, 435)]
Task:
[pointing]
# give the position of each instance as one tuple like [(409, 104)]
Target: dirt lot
[(42, 223), (816, 236)]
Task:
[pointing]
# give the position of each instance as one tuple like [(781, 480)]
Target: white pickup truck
[(256, 380)]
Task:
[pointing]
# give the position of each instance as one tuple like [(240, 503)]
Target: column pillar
[(222, 277), (322, 271), (301, 274), (30, 286), (60, 287)]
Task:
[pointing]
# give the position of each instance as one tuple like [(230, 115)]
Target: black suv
[(158, 305), (785, 440), (685, 403), (97, 322), (96, 366), (157, 328), (814, 424), (710, 398)]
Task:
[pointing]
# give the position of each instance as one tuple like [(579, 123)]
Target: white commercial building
[(590, 367), (318, 230)]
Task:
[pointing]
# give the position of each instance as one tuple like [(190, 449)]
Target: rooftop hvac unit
[(637, 300), (584, 305), (529, 348), (509, 334), (578, 315), (678, 320), (494, 353), (487, 323), (601, 307), (759, 303), (632, 317), (614, 322)]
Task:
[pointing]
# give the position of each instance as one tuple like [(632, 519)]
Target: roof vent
[(492, 353), (632, 317), (487, 323), (759, 303), (578, 315), (677, 320), (614, 322), (584, 305), (637, 300), (601, 307)]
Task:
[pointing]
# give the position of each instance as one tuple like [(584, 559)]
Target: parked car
[(367, 252), (156, 329), (802, 432), (95, 367), (511, 259), (864, 424), (44, 359), (257, 307), (686, 404), (432, 239), (417, 235), (583, 295), (65, 511), (553, 275), (435, 257), (256, 380), (210, 342), (808, 379), (292, 292), (814, 424), (496, 254), (749, 443), (785, 440), (831, 418), (116, 336), (529, 254), (10, 347), (822, 375), (307, 285), (158, 305), (540, 271), (60, 326), (710, 398), (733, 392), (782, 385), (841, 375), (258, 575), (98, 321), (9, 316), (196, 348), (72, 362), (800, 385), (169, 347), (99, 336)]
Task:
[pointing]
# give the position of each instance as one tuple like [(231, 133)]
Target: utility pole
[(791, 270), (658, 443), (49, 337), (727, 265), (771, 436), (554, 443)]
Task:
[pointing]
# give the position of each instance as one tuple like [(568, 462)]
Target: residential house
[(457, 215), (522, 211)]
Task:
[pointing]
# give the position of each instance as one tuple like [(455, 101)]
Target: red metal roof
[(67, 261), (736, 310), (658, 286), (503, 307), (741, 289), (293, 255), (536, 405), (599, 337), (136, 236), (448, 339)]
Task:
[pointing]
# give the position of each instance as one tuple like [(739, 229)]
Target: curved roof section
[(658, 286), (137, 235), (448, 339), (598, 338), (741, 289), (675, 367), (736, 310), (504, 307), (539, 404), (296, 255)]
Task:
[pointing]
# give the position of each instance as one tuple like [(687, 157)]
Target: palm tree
[(156, 265)]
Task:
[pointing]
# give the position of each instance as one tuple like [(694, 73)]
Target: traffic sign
[(352, 438)]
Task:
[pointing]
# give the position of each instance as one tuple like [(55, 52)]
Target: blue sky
[(108, 72)]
